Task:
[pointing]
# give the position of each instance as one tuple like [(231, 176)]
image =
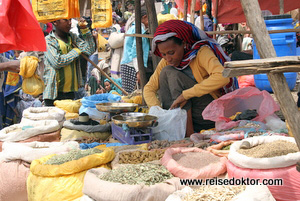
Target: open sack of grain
[(15, 162), (135, 182), (44, 130), (193, 163), (136, 156), (43, 113), (222, 192), (72, 130), (267, 157), (60, 176)]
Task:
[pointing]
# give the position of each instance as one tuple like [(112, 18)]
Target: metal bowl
[(133, 116), (149, 121), (116, 107)]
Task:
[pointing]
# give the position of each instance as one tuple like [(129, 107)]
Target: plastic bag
[(246, 81), (71, 106), (171, 123), (237, 101), (20, 31), (101, 13), (91, 101), (33, 86), (48, 11)]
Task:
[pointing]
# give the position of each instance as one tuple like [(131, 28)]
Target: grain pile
[(214, 193), (271, 149), (195, 160), (135, 157), (146, 173), (162, 144), (74, 154)]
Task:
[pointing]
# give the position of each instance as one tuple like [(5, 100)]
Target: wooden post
[(139, 45), (85, 7), (192, 12), (185, 8), (152, 18), (215, 18), (123, 8), (277, 80), (281, 7), (201, 17)]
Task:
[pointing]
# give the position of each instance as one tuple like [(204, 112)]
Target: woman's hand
[(179, 102)]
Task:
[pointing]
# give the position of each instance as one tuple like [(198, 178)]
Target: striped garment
[(55, 60), (195, 39), (66, 76)]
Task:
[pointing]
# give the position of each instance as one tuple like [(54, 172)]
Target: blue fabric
[(91, 101), (129, 51), (94, 58), (95, 144)]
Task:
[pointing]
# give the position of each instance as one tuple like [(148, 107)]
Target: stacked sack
[(43, 131), (43, 113), (15, 162)]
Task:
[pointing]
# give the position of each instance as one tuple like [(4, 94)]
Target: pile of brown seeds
[(271, 149)]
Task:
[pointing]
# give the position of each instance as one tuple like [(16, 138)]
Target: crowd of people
[(189, 74)]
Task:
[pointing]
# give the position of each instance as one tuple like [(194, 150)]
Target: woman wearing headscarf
[(190, 72), (109, 87)]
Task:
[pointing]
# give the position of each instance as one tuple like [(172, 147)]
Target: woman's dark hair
[(176, 40)]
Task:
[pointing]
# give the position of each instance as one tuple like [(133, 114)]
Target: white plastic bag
[(171, 123)]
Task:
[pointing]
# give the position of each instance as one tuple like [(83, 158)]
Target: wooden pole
[(139, 45), (85, 7), (225, 32), (192, 12), (281, 7), (185, 8), (123, 8), (153, 24), (103, 73), (277, 80), (201, 17), (216, 18)]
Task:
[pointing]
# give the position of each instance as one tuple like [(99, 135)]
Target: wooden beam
[(281, 7), (139, 45), (233, 72), (268, 62), (277, 80), (153, 24), (185, 8), (225, 32), (192, 12)]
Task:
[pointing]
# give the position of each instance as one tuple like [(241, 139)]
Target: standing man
[(62, 73)]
